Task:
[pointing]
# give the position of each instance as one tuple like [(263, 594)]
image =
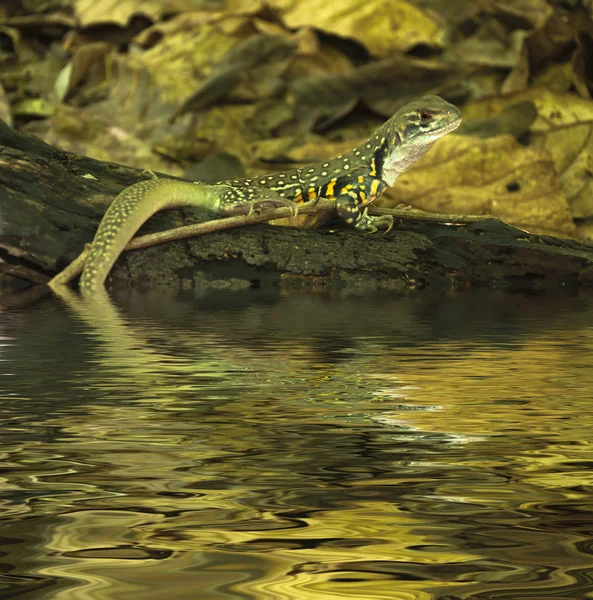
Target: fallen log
[(52, 201)]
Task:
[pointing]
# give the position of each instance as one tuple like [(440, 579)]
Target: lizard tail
[(135, 205)]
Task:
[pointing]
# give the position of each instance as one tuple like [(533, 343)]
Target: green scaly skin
[(352, 181)]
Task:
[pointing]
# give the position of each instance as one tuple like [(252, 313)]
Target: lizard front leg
[(353, 201)]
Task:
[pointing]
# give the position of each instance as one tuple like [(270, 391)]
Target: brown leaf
[(515, 119), (452, 12), (492, 45), (141, 90), (85, 58), (585, 230), (5, 112), (381, 26), (497, 177), (555, 77), (534, 13), (564, 129), (582, 65), (314, 149), (553, 108), (256, 63), (518, 78), (571, 148), (551, 39), (383, 85), (93, 12), (76, 130)]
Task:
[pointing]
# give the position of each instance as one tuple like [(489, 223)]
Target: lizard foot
[(370, 224), (276, 202)]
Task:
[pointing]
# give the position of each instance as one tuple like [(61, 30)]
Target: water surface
[(297, 448)]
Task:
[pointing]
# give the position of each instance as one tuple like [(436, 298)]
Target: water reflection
[(297, 448)]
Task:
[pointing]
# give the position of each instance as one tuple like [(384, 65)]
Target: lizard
[(351, 181)]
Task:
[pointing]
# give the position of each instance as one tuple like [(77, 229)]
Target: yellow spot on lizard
[(374, 188), (330, 189)]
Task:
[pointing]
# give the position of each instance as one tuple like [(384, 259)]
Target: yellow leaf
[(571, 148), (496, 177), (92, 12), (564, 128), (554, 109), (33, 107), (382, 26)]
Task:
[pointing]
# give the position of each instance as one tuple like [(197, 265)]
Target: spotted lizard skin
[(352, 181)]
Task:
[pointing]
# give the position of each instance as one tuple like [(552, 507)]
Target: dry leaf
[(535, 12), (518, 78), (314, 59), (585, 230), (571, 148), (492, 45), (556, 77), (253, 66), (141, 90), (314, 149), (85, 58), (554, 109), (75, 130), (5, 112), (185, 22), (564, 128), (515, 119), (452, 12), (93, 12), (551, 40), (242, 7), (383, 85), (229, 128), (381, 26), (33, 107), (499, 177)]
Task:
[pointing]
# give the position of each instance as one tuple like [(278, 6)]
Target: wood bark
[(52, 201)]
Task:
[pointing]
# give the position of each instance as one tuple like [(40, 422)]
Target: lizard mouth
[(448, 127)]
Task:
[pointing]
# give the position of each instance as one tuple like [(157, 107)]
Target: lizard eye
[(425, 116)]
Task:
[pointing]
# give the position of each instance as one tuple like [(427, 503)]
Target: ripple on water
[(305, 448)]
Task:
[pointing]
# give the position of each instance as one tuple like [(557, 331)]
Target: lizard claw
[(294, 208), (275, 202), (384, 221), (387, 219), (370, 224)]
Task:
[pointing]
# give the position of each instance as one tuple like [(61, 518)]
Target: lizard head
[(410, 133), (425, 120)]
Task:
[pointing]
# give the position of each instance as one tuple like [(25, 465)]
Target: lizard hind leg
[(246, 201)]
